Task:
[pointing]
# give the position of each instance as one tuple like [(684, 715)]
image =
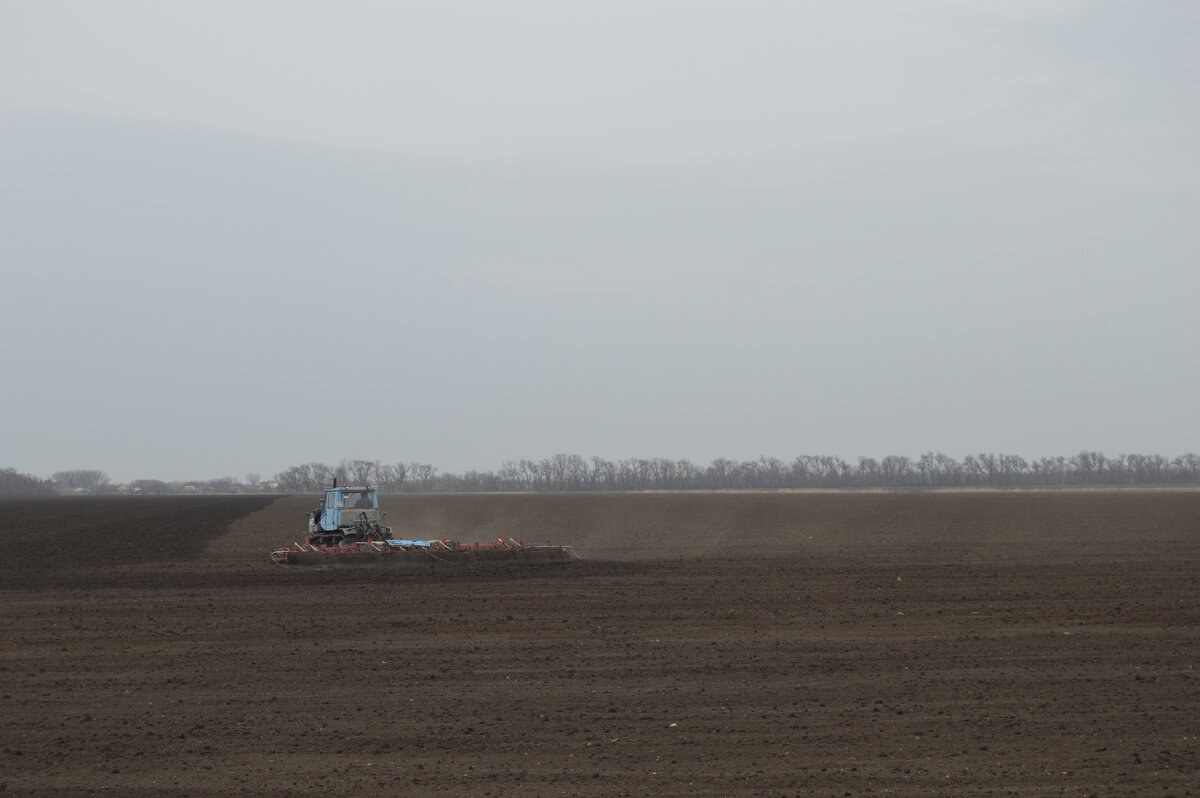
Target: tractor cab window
[(358, 499)]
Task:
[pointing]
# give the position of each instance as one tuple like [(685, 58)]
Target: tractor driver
[(364, 500)]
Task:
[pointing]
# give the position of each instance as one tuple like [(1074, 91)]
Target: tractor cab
[(347, 513)]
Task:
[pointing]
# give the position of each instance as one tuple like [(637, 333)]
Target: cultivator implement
[(421, 552)]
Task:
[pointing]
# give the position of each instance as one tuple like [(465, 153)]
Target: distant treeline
[(90, 481), (571, 472), (13, 483)]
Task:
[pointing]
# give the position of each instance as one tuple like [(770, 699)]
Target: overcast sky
[(238, 236)]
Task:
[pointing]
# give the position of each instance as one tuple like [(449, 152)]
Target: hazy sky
[(238, 236)]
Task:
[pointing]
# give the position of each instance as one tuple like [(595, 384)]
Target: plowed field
[(944, 644)]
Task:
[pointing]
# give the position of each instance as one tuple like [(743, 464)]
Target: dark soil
[(946, 644), (43, 541)]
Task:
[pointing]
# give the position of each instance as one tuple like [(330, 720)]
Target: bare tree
[(80, 479), (1090, 466), (1186, 467), (771, 472), (531, 473), (363, 472), (321, 476), (722, 473), (556, 467), (604, 474), (423, 474), (947, 469), (1014, 469), (399, 476), (688, 474)]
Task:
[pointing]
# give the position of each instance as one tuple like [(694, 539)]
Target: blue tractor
[(349, 514)]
